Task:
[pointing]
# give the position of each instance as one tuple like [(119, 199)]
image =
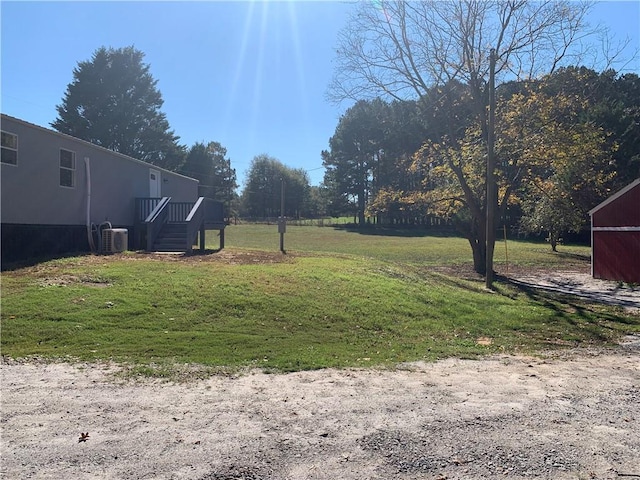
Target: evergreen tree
[(113, 102), (209, 165), (262, 193)]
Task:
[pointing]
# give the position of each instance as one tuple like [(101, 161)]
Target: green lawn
[(409, 246), (337, 299)]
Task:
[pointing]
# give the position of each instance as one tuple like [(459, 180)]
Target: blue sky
[(250, 75)]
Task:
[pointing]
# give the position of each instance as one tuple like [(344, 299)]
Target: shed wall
[(616, 255)]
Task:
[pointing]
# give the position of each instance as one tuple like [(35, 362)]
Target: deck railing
[(213, 214), (144, 206), (155, 220), (194, 221), (153, 213), (179, 211)]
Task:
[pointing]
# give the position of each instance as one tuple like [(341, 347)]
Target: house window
[(67, 168), (9, 148)]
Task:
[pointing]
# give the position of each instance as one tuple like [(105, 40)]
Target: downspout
[(88, 223)]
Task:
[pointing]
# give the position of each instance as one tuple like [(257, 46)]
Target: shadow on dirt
[(406, 232), (573, 256), (577, 308), (570, 290)]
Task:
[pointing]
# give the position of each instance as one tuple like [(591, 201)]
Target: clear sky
[(250, 75)]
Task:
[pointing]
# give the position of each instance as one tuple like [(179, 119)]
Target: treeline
[(563, 143), (269, 182)]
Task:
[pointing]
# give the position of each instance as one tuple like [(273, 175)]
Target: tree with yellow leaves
[(404, 49)]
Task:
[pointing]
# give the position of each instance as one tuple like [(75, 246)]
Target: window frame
[(9, 148), (66, 168)]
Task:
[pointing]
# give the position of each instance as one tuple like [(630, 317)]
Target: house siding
[(31, 194)]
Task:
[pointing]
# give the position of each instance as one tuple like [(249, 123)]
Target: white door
[(154, 183)]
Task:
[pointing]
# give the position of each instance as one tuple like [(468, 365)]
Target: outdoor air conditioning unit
[(115, 240)]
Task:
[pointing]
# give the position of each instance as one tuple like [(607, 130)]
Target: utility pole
[(492, 191), (282, 221)]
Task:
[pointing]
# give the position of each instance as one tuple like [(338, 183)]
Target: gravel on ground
[(574, 415)]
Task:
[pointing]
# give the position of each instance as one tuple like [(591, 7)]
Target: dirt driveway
[(572, 416)]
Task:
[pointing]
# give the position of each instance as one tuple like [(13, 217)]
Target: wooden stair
[(172, 238), (166, 226)]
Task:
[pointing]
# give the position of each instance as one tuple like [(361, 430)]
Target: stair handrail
[(155, 220), (144, 206), (194, 221)]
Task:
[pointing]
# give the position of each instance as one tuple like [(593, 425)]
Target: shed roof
[(615, 196)]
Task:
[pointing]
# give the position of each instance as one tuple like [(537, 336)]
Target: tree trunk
[(474, 231), (478, 242), (479, 255), (361, 207)]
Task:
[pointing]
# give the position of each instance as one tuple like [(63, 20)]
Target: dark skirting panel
[(28, 243)]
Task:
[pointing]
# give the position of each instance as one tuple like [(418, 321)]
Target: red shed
[(615, 236)]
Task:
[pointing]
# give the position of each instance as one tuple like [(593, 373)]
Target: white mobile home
[(55, 187)]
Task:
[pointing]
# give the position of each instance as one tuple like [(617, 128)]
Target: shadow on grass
[(573, 256), (470, 285), (579, 312), (407, 232), (30, 262)]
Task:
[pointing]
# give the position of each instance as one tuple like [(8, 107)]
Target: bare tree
[(403, 49)]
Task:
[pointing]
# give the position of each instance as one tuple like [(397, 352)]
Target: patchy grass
[(338, 299)]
